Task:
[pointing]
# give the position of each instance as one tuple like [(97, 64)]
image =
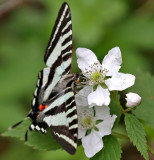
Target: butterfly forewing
[(59, 48)]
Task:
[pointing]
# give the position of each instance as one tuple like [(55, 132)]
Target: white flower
[(133, 99), (81, 97), (103, 77), (93, 125), (101, 96), (88, 122)]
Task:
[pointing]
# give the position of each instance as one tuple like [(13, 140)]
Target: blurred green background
[(25, 28)]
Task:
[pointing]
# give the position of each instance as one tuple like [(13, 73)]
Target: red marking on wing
[(41, 107)]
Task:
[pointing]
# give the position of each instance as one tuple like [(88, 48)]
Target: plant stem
[(150, 150), (129, 109), (120, 135), (118, 103)]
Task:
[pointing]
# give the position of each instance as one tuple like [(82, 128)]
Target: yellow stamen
[(97, 77)]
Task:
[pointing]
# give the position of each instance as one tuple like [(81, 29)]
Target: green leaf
[(144, 86), (43, 142), (110, 151), (114, 108), (136, 26), (35, 139), (10, 105), (96, 12), (136, 134), (19, 131), (63, 155)]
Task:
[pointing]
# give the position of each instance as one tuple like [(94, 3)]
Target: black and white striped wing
[(54, 88), (53, 103), (61, 115), (58, 54), (58, 57)]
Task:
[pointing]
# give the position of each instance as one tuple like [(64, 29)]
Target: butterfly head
[(32, 115), (76, 78)]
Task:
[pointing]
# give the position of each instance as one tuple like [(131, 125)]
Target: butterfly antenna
[(17, 124)]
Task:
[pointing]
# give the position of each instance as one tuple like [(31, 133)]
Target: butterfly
[(53, 106)]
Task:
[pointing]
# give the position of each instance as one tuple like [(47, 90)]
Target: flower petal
[(112, 61), (105, 127), (85, 59), (92, 144), (99, 97), (133, 99), (120, 81), (81, 109), (81, 133), (81, 96), (102, 112)]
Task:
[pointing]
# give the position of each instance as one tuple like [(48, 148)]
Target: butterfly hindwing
[(67, 135), (62, 117)]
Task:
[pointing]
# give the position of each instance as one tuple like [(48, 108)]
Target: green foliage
[(35, 139), (114, 106), (99, 25), (18, 131), (111, 149), (136, 134), (144, 86), (43, 142), (63, 155)]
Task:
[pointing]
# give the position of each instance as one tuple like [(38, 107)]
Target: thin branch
[(9, 5), (120, 135), (130, 109), (146, 9)]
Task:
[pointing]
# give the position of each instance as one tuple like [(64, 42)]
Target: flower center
[(86, 119), (86, 123), (96, 76)]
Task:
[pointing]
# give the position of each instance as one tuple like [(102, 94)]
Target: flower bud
[(133, 99)]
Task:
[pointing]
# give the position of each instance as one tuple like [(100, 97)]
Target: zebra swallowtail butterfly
[(53, 104)]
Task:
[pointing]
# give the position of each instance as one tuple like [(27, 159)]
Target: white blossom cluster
[(95, 120)]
